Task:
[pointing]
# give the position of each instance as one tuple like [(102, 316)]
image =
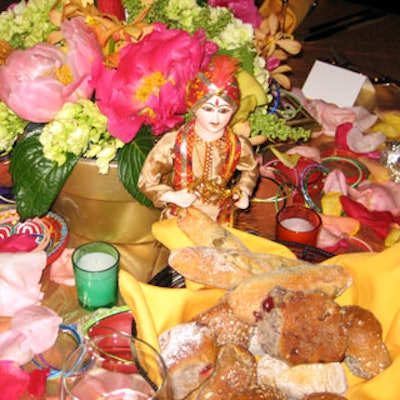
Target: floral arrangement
[(101, 82)]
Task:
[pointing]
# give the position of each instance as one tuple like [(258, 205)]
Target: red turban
[(218, 79)]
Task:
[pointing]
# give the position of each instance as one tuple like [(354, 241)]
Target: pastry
[(228, 329), (189, 351)]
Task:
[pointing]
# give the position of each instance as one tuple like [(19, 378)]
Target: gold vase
[(98, 207)]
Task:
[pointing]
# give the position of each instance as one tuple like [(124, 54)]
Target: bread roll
[(202, 230), (323, 396), (300, 380), (260, 393), (225, 268), (227, 328), (235, 370), (366, 354), (245, 299), (301, 327), (189, 351)]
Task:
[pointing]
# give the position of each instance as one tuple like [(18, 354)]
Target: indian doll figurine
[(203, 163)]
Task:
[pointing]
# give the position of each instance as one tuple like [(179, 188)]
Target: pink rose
[(36, 82)]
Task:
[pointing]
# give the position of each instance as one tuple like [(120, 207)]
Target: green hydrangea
[(275, 128), (236, 34), (11, 126), (261, 73), (27, 23), (80, 129), (183, 14)]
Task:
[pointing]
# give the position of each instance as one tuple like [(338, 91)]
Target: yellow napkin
[(156, 309), (376, 285)]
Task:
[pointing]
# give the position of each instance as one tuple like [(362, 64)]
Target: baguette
[(245, 300), (224, 268), (202, 230)]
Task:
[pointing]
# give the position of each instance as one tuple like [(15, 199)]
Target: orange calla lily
[(111, 33)]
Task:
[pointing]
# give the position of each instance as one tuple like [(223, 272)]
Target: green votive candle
[(95, 267)]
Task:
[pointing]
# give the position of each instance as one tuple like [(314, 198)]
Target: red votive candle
[(298, 224)]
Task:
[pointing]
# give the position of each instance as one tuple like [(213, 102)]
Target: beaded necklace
[(211, 190)]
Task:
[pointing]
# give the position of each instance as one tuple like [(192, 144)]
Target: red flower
[(341, 135), (379, 221), (149, 85)]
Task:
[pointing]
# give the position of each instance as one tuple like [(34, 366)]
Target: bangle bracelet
[(41, 362), (277, 97), (362, 171), (291, 113), (307, 171)]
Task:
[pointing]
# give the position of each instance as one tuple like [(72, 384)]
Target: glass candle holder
[(298, 224), (96, 267)]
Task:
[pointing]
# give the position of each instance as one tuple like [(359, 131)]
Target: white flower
[(236, 34)]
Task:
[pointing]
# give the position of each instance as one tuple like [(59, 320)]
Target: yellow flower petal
[(290, 160), (389, 124), (393, 236), (331, 205)]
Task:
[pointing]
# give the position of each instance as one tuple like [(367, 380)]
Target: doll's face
[(213, 116)]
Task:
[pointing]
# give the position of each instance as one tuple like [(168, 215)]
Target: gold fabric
[(98, 207), (157, 176)]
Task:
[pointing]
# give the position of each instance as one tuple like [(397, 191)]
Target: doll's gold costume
[(181, 159), (217, 171)]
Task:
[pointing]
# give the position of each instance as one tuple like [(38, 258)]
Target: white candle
[(297, 224), (96, 261)]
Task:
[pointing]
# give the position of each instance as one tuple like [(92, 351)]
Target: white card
[(333, 84)]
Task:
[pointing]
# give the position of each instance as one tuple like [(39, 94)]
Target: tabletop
[(372, 45)]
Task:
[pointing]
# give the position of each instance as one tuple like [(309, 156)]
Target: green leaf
[(130, 161), (37, 180)]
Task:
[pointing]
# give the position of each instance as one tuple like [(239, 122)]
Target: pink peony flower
[(149, 85), (35, 83), (245, 10)]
